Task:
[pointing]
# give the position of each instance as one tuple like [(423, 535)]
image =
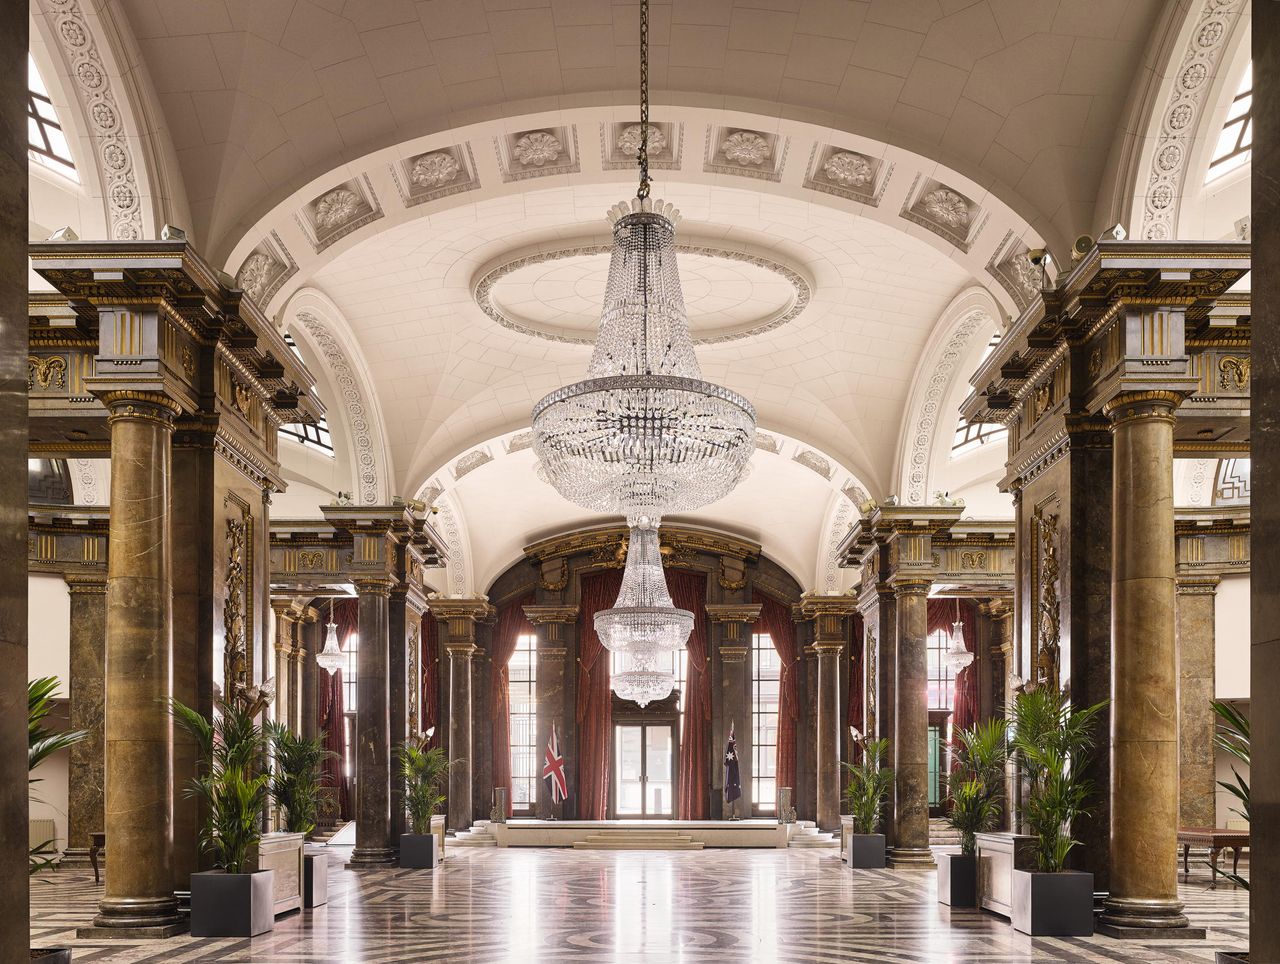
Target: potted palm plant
[(42, 743), (1232, 735), (297, 785), (424, 770), (233, 786), (975, 807), (868, 786), (1053, 741)]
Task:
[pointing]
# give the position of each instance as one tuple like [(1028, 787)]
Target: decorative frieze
[(945, 211), (439, 173), (745, 153), (540, 152), (847, 173), (266, 269), (620, 145), (339, 211)]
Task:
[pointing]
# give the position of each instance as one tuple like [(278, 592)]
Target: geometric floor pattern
[(524, 906)]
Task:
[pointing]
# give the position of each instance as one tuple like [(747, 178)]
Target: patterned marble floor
[(490, 905)]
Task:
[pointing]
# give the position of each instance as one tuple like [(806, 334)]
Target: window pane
[(766, 668), (522, 672)]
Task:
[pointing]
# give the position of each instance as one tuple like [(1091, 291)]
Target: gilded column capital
[(462, 649), (1198, 585), (555, 654), (733, 612), (543, 615), (141, 406), (909, 586), (827, 613), (731, 653), (475, 610), (373, 585), (1136, 406), (88, 584)]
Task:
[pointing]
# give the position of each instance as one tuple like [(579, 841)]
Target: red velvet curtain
[(512, 623), (595, 700), (856, 712), (331, 710), (430, 697), (689, 591), (775, 619), (964, 704)]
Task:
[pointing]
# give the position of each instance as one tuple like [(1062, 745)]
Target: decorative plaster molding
[(470, 462), (815, 462), (838, 529), (1181, 117), (93, 84)]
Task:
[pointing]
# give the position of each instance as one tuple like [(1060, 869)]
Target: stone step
[(637, 838), (621, 844), (810, 843)]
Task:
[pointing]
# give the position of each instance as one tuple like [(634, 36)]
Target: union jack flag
[(553, 770)]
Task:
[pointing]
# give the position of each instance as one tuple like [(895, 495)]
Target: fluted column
[(138, 804), (283, 663), (911, 728), (1144, 670), (373, 758), (1197, 805), (88, 694), (551, 624)]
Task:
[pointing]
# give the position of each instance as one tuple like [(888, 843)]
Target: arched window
[(314, 435), (46, 139), (1235, 142), (971, 436), (522, 677), (766, 682)]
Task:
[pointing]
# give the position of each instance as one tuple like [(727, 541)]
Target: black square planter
[(419, 851), (958, 879), (1231, 957), (1053, 905), (866, 851), (232, 905), (315, 879), (51, 955)]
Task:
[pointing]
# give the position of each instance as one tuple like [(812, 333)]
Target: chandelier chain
[(643, 157)]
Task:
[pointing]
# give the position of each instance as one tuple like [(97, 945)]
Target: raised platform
[(700, 833)]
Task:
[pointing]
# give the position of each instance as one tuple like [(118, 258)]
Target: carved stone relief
[(1047, 634), (237, 603)]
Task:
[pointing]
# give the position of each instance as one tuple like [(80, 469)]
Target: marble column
[(460, 750), (138, 897), (552, 624), (1144, 671), (397, 699), (1197, 790), (911, 728), (829, 719), (373, 724), (312, 643), (14, 806), (731, 638), (1000, 611), (283, 667), (1264, 666), (88, 694)]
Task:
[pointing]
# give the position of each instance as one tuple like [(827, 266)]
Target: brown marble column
[(731, 638), (138, 896), (1197, 804), (551, 623), (911, 728), (1000, 612), (373, 774), (283, 665), (399, 620), (312, 642), (1144, 671), (14, 807), (828, 615), (460, 809), (88, 694)]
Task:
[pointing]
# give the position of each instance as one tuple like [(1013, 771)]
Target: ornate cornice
[(542, 615), (733, 612), (680, 538), (473, 610)]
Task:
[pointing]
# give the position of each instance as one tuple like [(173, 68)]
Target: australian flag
[(732, 779)]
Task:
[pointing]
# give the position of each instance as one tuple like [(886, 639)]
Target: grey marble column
[(1197, 790), (460, 749), (14, 889), (138, 896), (1144, 672), (551, 623), (88, 695), (911, 729), (397, 700), (373, 724)]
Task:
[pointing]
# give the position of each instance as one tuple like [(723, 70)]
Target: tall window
[(1235, 143), (46, 141), (941, 677), (522, 673), (350, 691), (766, 674)]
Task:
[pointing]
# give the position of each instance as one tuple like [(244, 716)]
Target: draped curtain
[(430, 696), (775, 619), (964, 704), (331, 711), (512, 623), (689, 591), (594, 711), (856, 712)]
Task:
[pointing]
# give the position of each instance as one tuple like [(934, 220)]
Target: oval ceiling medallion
[(556, 293)]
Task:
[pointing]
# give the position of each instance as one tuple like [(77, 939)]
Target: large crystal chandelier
[(643, 435), (330, 658)]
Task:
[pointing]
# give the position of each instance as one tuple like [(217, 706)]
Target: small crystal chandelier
[(958, 655), (330, 659), (642, 682), (644, 622)]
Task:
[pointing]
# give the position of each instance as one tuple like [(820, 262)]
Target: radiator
[(44, 832)]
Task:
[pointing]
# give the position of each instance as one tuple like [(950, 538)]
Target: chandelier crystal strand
[(642, 682), (644, 622)]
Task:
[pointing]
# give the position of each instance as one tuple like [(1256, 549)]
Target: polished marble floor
[(490, 905)]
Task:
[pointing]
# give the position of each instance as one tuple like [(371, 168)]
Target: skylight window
[(1235, 143), (46, 140), (971, 436), (314, 436)]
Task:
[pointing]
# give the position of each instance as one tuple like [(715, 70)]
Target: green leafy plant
[(1232, 735), (297, 781), (424, 770), (42, 743), (1053, 741), (868, 785), (975, 787), (231, 781)]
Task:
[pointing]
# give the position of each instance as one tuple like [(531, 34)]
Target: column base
[(372, 857), (136, 918), (1130, 918), (910, 858)]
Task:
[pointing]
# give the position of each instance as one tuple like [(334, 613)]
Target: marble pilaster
[(828, 614), (552, 624), (283, 632), (138, 802), (911, 728), (458, 619), (1144, 707), (1000, 612), (731, 641), (1197, 805), (312, 643), (373, 759), (88, 695)]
